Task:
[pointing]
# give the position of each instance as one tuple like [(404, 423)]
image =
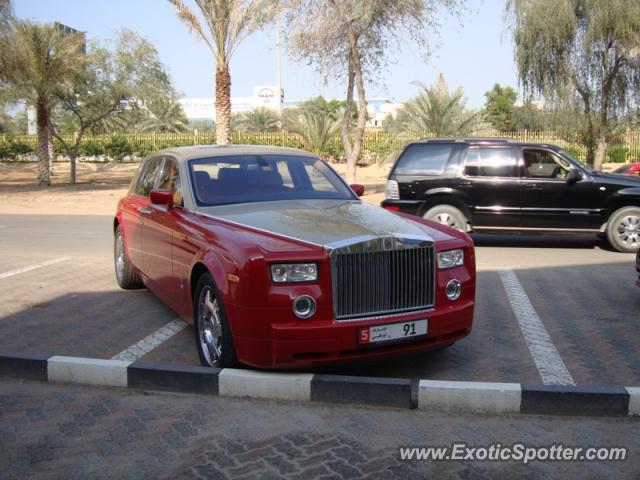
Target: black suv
[(507, 186)]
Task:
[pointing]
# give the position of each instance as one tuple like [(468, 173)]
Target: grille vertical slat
[(382, 282)]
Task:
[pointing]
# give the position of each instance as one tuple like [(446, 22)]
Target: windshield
[(566, 154), (259, 178)]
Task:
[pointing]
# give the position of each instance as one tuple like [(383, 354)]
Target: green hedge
[(377, 146)]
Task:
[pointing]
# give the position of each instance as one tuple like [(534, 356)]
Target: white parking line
[(17, 271), (148, 343), (550, 366)]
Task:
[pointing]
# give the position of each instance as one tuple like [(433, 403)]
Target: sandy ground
[(100, 186)]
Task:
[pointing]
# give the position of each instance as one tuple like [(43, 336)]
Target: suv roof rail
[(468, 140)]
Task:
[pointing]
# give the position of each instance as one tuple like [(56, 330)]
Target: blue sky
[(473, 55)]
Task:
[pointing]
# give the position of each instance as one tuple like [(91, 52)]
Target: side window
[(170, 180), (544, 164), (148, 176), (490, 162), (424, 159)]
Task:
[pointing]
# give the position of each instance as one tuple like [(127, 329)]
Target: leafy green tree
[(582, 51), (36, 63), (530, 116), (165, 115), (354, 38), (499, 107), (136, 64), (260, 119), (437, 110), (223, 25), (314, 125)]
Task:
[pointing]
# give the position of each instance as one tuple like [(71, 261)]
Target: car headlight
[(294, 272), (451, 258)]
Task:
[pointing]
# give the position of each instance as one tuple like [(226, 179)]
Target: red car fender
[(211, 262)]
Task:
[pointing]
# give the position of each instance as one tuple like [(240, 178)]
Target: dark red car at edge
[(279, 264), (628, 169)]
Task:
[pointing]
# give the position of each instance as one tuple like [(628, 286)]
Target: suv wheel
[(623, 229), (447, 215)]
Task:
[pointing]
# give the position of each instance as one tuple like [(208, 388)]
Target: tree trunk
[(601, 150), (223, 104), (43, 121), (73, 153), (346, 119), (52, 154), (356, 68)]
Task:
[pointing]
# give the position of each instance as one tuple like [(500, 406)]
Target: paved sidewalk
[(53, 431)]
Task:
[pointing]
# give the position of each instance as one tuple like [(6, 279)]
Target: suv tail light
[(392, 192)]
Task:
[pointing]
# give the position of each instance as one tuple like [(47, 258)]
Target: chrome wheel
[(628, 231), (209, 327), (446, 219), (119, 256)]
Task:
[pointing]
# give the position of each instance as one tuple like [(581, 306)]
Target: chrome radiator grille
[(383, 282)]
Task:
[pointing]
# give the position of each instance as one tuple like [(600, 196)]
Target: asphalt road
[(585, 297)]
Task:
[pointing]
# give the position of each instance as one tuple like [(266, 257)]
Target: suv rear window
[(423, 160)]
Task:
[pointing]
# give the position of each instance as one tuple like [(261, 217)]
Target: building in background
[(204, 108)]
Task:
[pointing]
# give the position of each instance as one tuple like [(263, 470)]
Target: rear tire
[(623, 229), (447, 215), (126, 275), (213, 336)]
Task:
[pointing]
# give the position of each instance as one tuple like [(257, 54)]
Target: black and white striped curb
[(478, 397)]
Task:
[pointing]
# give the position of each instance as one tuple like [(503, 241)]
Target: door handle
[(466, 184), (144, 210), (533, 187)]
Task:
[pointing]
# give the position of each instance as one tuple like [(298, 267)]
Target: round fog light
[(453, 290), (304, 306)]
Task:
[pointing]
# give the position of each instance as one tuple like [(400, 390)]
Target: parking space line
[(35, 266), (150, 342), (550, 366)]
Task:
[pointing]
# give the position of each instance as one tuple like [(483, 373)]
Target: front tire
[(623, 229), (447, 215), (126, 275), (214, 340)]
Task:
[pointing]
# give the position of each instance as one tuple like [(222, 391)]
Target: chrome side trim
[(532, 229)]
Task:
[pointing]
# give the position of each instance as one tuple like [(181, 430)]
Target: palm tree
[(165, 115), (36, 62), (226, 24), (438, 111), (260, 119), (316, 128)]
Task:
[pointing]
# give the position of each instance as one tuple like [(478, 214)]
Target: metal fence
[(376, 144)]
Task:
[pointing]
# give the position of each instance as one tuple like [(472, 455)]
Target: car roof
[(198, 151), (484, 141)]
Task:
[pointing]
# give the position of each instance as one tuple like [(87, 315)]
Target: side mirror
[(358, 189), (574, 176), (161, 196)]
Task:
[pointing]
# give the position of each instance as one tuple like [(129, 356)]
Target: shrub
[(91, 148), (118, 148), (12, 149), (617, 154)]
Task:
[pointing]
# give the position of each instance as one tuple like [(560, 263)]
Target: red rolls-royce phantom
[(278, 263)]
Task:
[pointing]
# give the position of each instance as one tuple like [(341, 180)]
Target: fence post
[(195, 136), (153, 140)]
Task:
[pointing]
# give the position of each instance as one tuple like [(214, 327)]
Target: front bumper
[(296, 345)]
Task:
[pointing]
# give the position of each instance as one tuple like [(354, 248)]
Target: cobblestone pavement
[(70, 432)]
